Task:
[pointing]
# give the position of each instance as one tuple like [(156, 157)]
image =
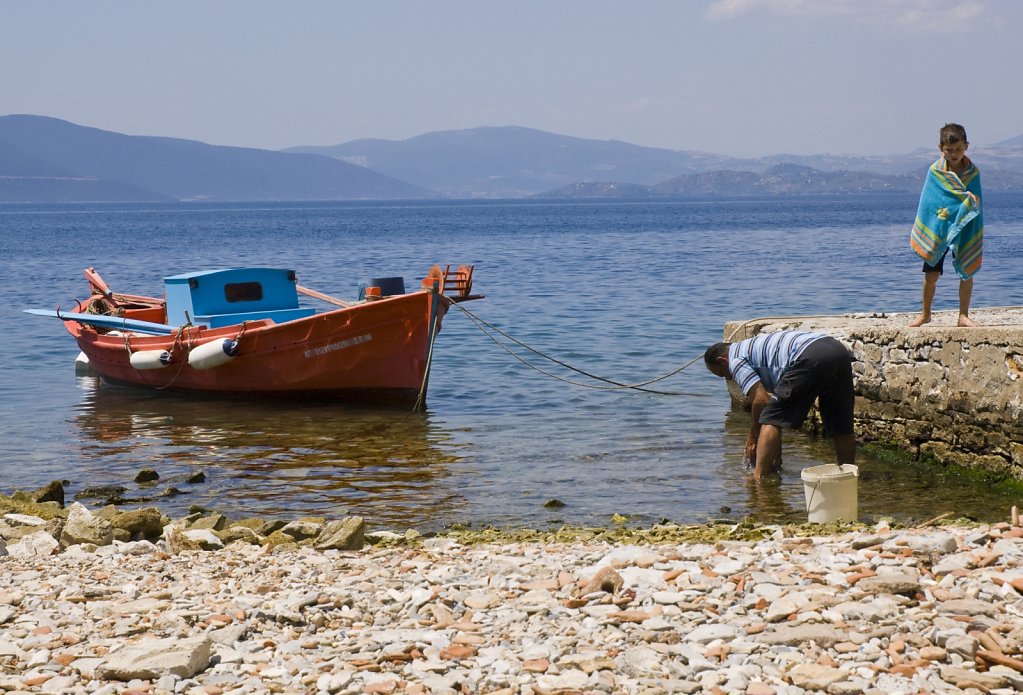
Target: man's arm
[(759, 398)]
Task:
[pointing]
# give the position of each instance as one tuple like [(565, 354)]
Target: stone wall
[(954, 395)]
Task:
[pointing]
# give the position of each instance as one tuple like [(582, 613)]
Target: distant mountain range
[(49, 160), (781, 179), (512, 162), (52, 161)]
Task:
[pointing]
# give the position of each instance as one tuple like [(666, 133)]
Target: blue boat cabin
[(216, 298)]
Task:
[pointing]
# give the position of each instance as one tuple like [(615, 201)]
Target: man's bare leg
[(930, 284), (845, 448), (768, 451), (965, 294)]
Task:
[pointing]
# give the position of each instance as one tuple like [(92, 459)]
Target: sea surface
[(626, 291)]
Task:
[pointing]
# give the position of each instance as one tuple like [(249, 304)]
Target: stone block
[(345, 534), (215, 521), (84, 527), (946, 454), (1013, 365), (153, 658), (146, 523)]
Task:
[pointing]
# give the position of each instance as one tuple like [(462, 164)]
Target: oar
[(100, 285), (115, 322)]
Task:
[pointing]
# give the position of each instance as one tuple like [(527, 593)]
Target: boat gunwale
[(205, 333)]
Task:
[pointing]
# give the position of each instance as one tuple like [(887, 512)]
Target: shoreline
[(756, 609)]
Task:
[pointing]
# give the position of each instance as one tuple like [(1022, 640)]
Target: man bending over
[(782, 374)]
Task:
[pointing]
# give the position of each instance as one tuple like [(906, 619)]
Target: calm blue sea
[(624, 290)]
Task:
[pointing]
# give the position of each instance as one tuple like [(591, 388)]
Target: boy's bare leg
[(965, 293), (930, 284)]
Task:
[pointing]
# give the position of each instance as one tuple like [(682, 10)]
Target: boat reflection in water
[(275, 460)]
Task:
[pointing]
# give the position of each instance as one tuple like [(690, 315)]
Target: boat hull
[(371, 351)]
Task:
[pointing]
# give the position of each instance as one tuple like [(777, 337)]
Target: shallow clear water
[(625, 291)]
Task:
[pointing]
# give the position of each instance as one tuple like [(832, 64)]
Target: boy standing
[(949, 216)]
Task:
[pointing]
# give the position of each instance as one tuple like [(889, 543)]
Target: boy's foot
[(919, 321), (966, 322)]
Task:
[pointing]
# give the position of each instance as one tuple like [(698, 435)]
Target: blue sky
[(737, 77)]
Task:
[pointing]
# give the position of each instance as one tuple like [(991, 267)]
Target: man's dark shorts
[(823, 371), (938, 267)]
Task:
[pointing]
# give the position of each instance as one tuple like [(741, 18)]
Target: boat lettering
[(340, 345)]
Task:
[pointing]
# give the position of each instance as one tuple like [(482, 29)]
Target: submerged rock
[(53, 492), (147, 475), (102, 492)]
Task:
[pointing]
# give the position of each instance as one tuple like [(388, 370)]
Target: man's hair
[(951, 134), (714, 352)]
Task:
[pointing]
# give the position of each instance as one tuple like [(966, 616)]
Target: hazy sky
[(738, 77)]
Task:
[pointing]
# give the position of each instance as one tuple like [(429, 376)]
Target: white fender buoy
[(150, 359), (82, 365), (213, 354)]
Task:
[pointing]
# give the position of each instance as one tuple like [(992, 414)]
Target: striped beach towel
[(949, 215)]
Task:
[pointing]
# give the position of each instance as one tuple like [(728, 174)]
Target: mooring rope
[(178, 334), (421, 398), (486, 327)]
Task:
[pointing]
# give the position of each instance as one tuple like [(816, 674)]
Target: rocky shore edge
[(132, 602)]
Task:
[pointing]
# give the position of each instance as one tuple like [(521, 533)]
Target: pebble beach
[(754, 610)]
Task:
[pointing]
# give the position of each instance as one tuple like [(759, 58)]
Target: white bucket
[(831, 492)]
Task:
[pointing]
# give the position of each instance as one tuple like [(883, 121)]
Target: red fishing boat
[(241, 332)]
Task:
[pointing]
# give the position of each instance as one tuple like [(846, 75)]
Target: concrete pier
[(952, 395)]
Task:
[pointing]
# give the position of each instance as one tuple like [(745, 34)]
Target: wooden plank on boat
[(324, 297), (114, 322)]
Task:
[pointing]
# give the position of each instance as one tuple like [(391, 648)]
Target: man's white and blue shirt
[(765, 357)]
